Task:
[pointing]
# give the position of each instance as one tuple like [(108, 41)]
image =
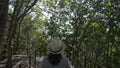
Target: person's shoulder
[(65, 58), (67, 62)]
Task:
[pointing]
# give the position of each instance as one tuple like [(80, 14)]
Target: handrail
[(3, 63), (18, 64)]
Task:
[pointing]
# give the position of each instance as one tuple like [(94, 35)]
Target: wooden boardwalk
[(23, 61), (20, 61)]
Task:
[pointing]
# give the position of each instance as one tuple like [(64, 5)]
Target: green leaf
[(108, 4)]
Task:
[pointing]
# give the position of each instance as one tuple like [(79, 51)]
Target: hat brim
[(57, 51)]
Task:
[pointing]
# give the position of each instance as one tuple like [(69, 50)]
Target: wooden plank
[(4, 61), (2, 65)]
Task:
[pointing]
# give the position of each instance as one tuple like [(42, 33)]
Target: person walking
[(55, 58)]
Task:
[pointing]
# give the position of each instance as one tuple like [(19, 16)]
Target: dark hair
[(54, 59)]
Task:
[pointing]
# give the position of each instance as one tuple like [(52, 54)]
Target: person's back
[(54, 58), (44, 63)]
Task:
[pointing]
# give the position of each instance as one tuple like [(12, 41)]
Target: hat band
[(57, 50)]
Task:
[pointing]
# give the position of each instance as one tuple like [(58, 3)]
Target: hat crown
[(55, 46)]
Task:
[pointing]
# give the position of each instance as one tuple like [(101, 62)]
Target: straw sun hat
[(55, 46)]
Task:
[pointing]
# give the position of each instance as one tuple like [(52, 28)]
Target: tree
[(3, 23), (20, 9)]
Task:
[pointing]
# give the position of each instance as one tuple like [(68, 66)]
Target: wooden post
[(35, 60), (29, 60), (20, 66)]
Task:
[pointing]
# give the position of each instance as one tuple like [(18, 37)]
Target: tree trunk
[(3, 22)]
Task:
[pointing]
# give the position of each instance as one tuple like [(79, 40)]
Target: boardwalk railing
[(28, 61), (3, 63)]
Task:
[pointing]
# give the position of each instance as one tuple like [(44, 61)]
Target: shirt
[(44, 63)]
